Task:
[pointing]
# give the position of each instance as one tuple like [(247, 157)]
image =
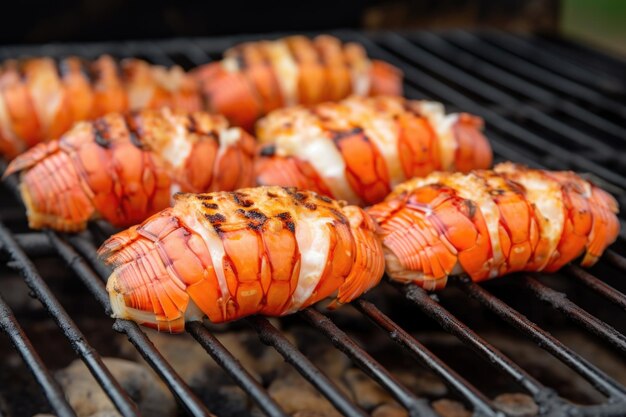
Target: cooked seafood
[(40, 98), (265, 250), (255, 78), (125, 167), (489, 223), (358, 149)]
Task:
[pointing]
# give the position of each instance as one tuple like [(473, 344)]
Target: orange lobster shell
[(40, 99), (255, 78), (265, 250), (125, 167), (359, 148), (490, 223)]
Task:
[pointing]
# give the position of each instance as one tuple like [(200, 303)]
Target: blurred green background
[(600, 22)]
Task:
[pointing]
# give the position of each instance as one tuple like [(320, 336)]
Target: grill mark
[(323, 198), (338, 136), (204, 197), (215, 218), (192, 125), (287, 221), (471, 208), (241, 62), (84, 71), (101, 132), (310, 206), (211, 206), (258, 219), (240, 199), (340, 216), (268, 150), (134, 133), (62, 67)]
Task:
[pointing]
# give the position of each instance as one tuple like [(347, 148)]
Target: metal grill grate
[(546, 102)]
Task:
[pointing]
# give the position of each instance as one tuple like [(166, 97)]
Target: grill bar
[(421, 353), (78, 342), (559, 301), (548, 59), (463, 59), (368, 364), (598, 286), (539, 75), (271, 336), (599, 379), (232, 366), (51, 389), (454, 326), (135, 335), (617, 260)]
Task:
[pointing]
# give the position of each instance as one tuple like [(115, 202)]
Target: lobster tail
[(265, 250), (361, 147), (257, 77), (491, 223), (368, 263), (122, 167), (151, 273), (53, 191), (385, 79), (40, 98), (288, 172)]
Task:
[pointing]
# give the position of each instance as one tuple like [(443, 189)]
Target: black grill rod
[(476, 64), (559, 301), (616, 297), (428, 60), (616, 260), (21, 342), (521, 46), (271, 336), (33, 243), (231, 365), (343, 342), (477, 399), (540, 75), (425, 81), (457, 328), (135, 335), (546, 341), (88, 354)]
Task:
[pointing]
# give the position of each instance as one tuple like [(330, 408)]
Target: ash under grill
[(559, 340)]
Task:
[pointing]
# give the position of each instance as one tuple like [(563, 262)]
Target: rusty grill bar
[(546, 102)]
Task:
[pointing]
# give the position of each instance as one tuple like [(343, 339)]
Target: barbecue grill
[(547, 102)]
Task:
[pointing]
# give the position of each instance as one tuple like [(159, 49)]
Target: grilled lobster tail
[(359, 148), (490, 223), (124, 167), (266, 250), (41, 98), (257, 77)]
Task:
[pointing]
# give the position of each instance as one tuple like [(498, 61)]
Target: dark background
[(599, 22), (40, 21)]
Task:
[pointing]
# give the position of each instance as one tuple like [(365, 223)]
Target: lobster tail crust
[(258, 77), (122, 167), (268, 250), (40, 98), (490, 223), (359, 148), (53, 191)]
